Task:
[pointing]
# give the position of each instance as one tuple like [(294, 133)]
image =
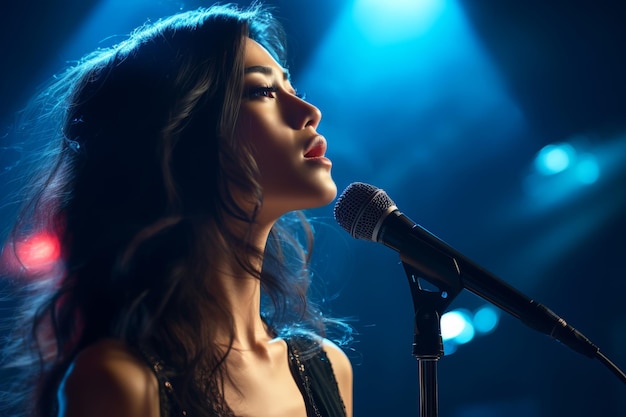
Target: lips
[(316, 147)]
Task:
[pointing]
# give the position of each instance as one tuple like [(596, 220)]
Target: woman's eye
[(258, 92)]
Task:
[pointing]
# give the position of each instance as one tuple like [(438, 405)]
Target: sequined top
[(310, 367)]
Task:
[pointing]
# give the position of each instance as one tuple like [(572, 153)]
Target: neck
[(239, 291)]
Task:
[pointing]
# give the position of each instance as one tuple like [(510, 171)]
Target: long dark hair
[(140, 194)]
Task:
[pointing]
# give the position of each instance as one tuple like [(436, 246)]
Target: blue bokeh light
[(486, 319), (555, 158), (457, 326), (587, 169), (460, 326)]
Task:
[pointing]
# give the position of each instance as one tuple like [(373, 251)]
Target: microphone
[(367, 212)]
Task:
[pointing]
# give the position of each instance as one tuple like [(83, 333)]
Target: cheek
[(277, 165), (269, 144), (259, 128)]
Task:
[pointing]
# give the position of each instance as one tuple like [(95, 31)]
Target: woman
[(184, 291)]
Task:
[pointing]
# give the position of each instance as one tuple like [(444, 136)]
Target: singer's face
[(283, 131)]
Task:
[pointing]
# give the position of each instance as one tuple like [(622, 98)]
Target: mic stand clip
[(429, 306)]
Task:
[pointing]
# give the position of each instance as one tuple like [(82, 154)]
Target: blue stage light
[(395, 20)]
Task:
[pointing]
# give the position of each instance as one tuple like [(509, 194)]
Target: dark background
[(559, 67)]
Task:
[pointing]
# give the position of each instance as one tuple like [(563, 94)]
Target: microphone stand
[(429, 305)]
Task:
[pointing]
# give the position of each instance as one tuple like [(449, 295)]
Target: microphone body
[(367, 213)]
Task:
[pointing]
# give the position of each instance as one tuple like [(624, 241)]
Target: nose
[(303, 114)]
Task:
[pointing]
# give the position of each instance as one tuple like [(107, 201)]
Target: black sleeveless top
[(309, 366)]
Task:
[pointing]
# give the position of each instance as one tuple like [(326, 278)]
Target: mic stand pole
[(429, 305)]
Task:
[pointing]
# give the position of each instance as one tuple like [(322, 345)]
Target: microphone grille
[(360, 208)]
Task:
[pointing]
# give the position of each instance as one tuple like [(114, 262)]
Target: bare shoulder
[(343, 372), (337, 357), (108, 379)]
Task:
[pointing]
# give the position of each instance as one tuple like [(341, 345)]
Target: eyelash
[(268, 92), (258, 92)]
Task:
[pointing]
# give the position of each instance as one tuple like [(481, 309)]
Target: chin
[(305, 194), (331, 194), (325, 193)]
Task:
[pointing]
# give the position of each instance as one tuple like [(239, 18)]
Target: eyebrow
[(265, 71)]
